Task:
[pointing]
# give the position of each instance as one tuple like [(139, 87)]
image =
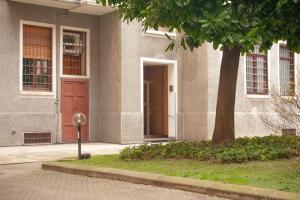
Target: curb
[(237, 192)]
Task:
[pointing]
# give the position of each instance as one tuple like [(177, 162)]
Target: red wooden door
[(74, 98)]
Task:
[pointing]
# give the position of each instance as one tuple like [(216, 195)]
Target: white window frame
[(257, 96), (161, 34), (51, 93), (278, 67), (87, 31)]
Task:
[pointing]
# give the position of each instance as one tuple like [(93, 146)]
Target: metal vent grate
[(289, 131), (37, 138)]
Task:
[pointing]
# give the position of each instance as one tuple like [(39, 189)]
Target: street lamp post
[(79, 141), (78, 120)]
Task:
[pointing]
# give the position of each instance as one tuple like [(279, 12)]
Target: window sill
[(37, 94), (288, 96), (257, 96), (159, 34)]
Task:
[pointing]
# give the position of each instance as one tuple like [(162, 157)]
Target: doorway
[(74, 98), (159, 99), (156, 102)]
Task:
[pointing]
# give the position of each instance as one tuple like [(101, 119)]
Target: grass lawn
[(281, 175)]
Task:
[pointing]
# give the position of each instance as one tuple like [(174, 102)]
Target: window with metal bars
[(257, 72), (286, 71), (37, 58), (74, 53)]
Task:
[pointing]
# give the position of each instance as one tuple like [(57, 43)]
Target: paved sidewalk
[(28, 182), (21, 154), (219, 189)]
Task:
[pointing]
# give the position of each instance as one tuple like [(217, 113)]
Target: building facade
[(63, 57)]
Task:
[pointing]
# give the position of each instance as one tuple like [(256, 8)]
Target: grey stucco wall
[(247, 109), (33, 113), (110, 78), (194, 91), (192, 84), (116, 49), (134, 45)]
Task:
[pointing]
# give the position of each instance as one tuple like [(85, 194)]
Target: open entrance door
[(156, 102), (159, 99)]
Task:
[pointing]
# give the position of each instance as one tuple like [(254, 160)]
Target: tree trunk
[(224, 122)]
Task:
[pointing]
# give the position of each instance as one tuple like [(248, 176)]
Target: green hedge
[(241, 150)]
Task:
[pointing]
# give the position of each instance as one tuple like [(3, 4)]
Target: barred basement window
[(74, 53), (37, 58), (257, 72), (286, 71)]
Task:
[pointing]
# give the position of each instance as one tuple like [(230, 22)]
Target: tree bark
[(224, 121)]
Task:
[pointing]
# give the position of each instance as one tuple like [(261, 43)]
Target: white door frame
[(172, 78)]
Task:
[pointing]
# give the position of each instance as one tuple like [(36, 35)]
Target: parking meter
[(79, 120)]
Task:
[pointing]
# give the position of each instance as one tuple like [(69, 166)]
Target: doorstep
[(156, 140), (212, 188)]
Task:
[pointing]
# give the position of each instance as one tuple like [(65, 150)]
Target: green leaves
[(244, 23), (238, 22), (240, 9), (252, 32), (280, 3), (241, 150)]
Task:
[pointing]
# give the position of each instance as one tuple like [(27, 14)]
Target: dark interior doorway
[(155, 102)]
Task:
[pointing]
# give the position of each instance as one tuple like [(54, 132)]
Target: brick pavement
[(28, 182)]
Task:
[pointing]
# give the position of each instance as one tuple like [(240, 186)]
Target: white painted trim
[(163, 62), (269, 73), (37, 94), (282, 42), (256, 96), (51, 94), (160, 34), (87, 31), (278, 67), (247, 113)]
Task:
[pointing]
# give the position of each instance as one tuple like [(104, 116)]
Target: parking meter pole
[(79, 141)]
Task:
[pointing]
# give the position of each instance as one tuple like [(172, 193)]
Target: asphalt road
[(28, 182)]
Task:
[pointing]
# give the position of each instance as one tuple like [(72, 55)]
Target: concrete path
[(219, 189), (29, 182), (21, 154)]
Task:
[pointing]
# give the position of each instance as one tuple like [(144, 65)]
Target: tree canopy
[(230, 23)]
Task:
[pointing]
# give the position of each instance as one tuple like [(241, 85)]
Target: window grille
[(286, 71), (74, 53), (257, 72), (37, 58)]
